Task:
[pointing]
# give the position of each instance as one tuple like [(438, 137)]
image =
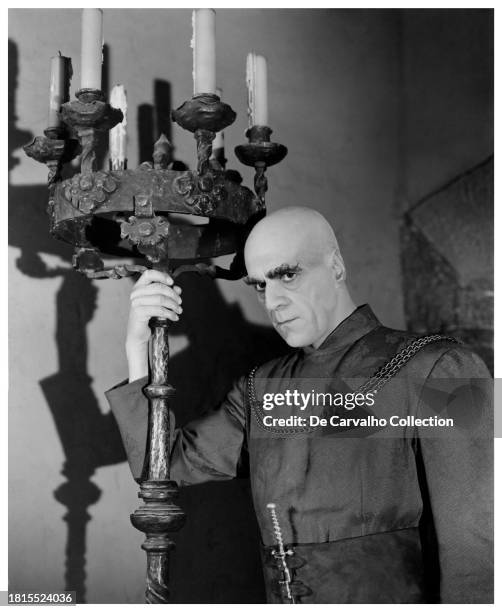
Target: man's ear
[(337, 265)]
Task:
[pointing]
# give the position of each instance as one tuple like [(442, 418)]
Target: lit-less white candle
[(57, 89), (204, 51), (92, 48), (256, 80), (118, 134)]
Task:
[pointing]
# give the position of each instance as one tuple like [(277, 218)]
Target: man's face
[(297, 286)]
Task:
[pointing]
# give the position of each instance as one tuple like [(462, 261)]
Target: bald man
[(368, 513)]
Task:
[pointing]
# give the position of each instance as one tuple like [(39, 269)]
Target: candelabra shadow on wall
[(89, 438), (218, 555)]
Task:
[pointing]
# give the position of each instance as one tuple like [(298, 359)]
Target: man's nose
[(275, 296)]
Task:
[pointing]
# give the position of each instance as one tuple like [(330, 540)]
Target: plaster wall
[(337, 101), (447, 97)]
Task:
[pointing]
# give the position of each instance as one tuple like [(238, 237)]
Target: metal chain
[(390, 369), (374, 384)]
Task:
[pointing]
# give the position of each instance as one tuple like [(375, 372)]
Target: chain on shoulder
[(392, 367), (374, 384)]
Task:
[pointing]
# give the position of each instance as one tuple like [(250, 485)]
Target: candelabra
[(139, 202)]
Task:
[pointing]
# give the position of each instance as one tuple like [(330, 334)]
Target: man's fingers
[(146, 312), (153, 295), (156, 289), (152, 276), (156, 300)]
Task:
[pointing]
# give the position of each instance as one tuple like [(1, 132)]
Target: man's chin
[(291, 339), (295, 344)]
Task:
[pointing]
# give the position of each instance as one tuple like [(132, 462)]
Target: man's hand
[(153, 295)]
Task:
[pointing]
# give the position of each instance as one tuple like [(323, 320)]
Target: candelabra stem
[(159, 515), (54, 174), (159, 391), (260, 181), (204, 140), (88, 141)]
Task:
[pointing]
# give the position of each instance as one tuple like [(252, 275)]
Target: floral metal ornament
[(87, 191)]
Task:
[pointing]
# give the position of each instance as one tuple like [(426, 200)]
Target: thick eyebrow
[(277, 272)]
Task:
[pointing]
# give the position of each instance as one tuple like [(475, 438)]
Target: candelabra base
[(156, 518)]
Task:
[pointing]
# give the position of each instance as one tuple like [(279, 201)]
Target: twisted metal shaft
[(88, 140), (204, 140), (157, 590), (260, 181)]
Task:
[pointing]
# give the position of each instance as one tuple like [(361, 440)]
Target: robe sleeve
[(208, 448), (458, 471)]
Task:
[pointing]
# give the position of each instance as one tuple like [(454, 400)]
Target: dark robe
[(371, 514)]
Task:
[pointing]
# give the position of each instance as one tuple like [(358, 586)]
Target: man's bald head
[(297, 226), (294, 263)]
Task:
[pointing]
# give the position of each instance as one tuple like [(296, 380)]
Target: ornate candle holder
[(260, 153), (53, 149), (126, 212)]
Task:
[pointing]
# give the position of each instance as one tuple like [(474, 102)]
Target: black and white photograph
[(250, 305)]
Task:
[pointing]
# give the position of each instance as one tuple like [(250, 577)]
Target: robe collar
[(361, 321)]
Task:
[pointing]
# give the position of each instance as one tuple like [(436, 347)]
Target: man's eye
[(287, 277), (260, 287)]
